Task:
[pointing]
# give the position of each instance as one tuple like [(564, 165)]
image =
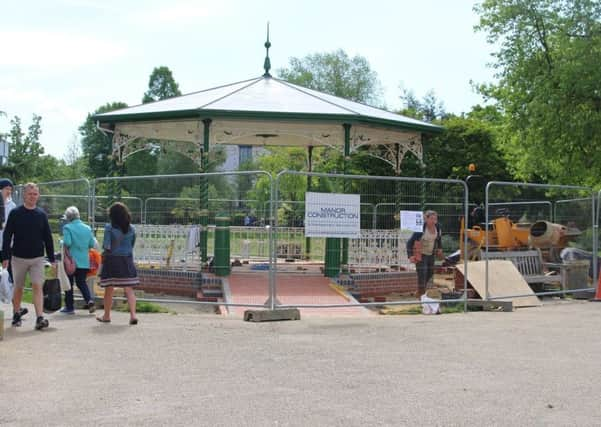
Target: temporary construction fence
[(371, 251), (185, 221), (570, 226)]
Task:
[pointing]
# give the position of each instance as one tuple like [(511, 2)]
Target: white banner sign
[(332, 215), (412, 220)]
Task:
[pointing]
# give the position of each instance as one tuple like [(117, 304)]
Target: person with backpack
[(422, 247)]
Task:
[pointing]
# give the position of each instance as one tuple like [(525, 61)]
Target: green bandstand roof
[(265, 98), (264, 111)]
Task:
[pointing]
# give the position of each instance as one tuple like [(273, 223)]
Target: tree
[(96, 146), (25, 149), (2, 114), (337, 74), (466, 140), (548, 75), (428, 109), (161, 85)]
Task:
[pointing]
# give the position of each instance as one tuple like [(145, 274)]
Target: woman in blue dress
[(118, 267)]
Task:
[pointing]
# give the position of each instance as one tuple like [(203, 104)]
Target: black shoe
[(16, 319), (91, 307), (23, 311), (41, 323)]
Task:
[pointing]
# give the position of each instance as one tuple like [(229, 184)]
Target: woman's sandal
[(103, 320), (133, 321)]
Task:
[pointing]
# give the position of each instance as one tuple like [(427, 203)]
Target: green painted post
[(204, 195), (398, 197), (310, 167), (347, 185), (222, 245), (332, 259)]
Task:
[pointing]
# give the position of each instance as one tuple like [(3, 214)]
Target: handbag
[(95, 259), (52, 295), (68, 261)]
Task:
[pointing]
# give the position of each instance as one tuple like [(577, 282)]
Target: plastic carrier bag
[(6, 288)]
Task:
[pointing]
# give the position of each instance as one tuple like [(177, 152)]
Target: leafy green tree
[(96, 146), (49, 168), (25, 148), (74, 161), (292, 187), (337, 74), (548, 74), (429, 108), (2, 114), (466, 141), (161, 85)]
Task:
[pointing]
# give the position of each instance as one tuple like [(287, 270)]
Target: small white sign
[(412, 220), (332, 215)]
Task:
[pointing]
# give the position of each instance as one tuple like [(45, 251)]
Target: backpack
[(52, 295)]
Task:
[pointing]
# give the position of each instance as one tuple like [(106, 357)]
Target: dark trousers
[(80, 281), (425, 271)]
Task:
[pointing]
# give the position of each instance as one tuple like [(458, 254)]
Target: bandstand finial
[(267, 63)]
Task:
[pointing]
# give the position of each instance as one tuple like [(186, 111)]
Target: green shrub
[(145, 307)]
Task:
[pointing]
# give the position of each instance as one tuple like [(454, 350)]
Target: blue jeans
[(80, 281)]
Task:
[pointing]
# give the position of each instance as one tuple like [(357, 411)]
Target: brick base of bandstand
[(170, 282), (366, 285), (206, 287)]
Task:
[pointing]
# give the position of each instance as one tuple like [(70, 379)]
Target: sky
[(62, 59)]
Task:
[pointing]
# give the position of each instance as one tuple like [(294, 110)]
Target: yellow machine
[(505, 235)]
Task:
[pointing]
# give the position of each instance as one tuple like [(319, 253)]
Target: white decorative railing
[(177, 246), (378, 248), (167, 245)]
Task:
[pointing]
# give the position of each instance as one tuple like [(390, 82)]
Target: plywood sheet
[(503, 279)]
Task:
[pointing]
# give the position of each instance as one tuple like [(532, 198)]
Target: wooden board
[(503, 279)]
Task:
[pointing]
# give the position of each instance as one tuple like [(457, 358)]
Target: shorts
[(35, 267)]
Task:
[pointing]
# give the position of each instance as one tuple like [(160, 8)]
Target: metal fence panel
[(175, 218), (561, 236), (380, 247)]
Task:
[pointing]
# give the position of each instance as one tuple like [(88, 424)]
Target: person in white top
[(6, 189), (422, 247)]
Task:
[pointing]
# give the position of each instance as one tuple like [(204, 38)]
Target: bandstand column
[(204, 194), (347, 185), (310, 169)]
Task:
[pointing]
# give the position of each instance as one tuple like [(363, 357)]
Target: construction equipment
[(503, 234)]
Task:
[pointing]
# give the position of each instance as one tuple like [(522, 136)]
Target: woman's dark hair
[(120, 216)]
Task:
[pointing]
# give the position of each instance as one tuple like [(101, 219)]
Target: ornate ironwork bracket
[(389, 146), (125, 146)]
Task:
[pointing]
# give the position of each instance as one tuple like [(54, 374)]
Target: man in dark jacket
[(422, 247), (26, 235)]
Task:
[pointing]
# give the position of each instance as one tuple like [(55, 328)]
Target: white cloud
[(56, 49), (46, 106), (182, 12)]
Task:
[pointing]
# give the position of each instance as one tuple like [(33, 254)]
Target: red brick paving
[(291, 289)]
